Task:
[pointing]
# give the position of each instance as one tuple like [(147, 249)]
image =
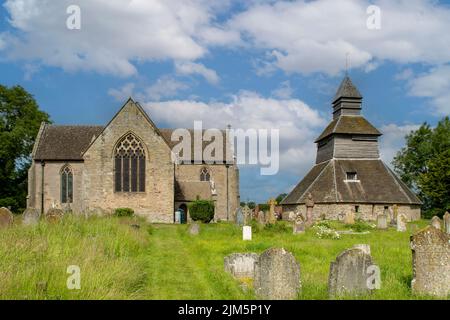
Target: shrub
[(278, 227), (124, 212), (323, 232), (201, 210), (361, 226)]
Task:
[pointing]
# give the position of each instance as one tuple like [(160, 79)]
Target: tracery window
[(204, 174), (129, 165), (66, 184)]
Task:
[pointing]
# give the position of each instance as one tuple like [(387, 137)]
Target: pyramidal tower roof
[(347, 90)]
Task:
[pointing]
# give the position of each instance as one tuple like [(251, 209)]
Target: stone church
[(127, 163), (349, 174)]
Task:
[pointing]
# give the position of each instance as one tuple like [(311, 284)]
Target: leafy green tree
[(20, 119), (280, 197), (423, 164)]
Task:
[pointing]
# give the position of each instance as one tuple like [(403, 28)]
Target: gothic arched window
[(66, 185), (129, 163), (204, 174)]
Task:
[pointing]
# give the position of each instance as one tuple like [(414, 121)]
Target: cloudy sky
[(251, 64)]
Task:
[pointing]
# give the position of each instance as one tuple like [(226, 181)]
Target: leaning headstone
[(194, 229), (349, 218), (447, 222), (54, 215), (382, 222), (31, 216), (349, 273), (436, 222), (6, 218), (277, 275), (247, 233), (239, 217), (241, 265), (401, 222), (431, 262)]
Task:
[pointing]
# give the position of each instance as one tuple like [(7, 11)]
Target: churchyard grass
[(159, 261)]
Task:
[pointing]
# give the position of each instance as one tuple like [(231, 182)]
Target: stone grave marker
[(271, 216), (247, 215), (247, 233), (277, 275), (194, 228), (350, 273), (309, 203), (431, 262), (299, 225), (349, 218), (261, 218), (401, 222), (241, 265), (6, 218), (54, 215), (382, 221), (447, 223), (239, 216), (31, 216), (436, 222)]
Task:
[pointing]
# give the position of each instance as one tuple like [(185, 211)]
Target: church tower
[(349, 174)]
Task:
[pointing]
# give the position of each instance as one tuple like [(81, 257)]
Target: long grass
[(118, 261)]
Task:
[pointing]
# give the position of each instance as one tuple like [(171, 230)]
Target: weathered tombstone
[(54, 215), (382, 222), (194, 229), (247, 233), (431, 262), (350, 273), (292, 215), (309, 209), (394, 212), (401, 222), (6, 218), (436, 222), (261, 218), (277, 275), (241, 265), (349, 218), (239, 217), (247, 215), (447, 222), (299, 224), (31, 216), (271, 218)]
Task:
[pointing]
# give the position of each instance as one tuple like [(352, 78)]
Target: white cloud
[(298, 123), (122, 93), (165, 87), (315, 36), (393, 139), (189, 68), (284, 91), (114, 33)]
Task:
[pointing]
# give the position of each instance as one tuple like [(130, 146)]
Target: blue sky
[(253, 64)]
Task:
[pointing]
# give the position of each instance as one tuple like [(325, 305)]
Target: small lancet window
[(204, 174), (66, 185), (129, 165)]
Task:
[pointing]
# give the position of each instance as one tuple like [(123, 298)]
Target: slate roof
[(377, 184), (189, 190), (70, 142), (349, 125), (347, 90), (65, 142)]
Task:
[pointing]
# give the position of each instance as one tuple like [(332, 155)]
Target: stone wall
[(367, 212), (157, 202), (218, 172)]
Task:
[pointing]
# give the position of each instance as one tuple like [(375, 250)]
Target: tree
[(423, 165), (280, 197), (20, 119)]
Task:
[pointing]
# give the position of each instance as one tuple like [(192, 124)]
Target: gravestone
[(431, 262), (349, 273), (194, 228), (54, 215), (247, 233), (271, 218), (247, 215), (309, 203), (299, 225), (239, 217), (277, 275), (6, 218), (401, 222), (261, 218), (241, 265), (436, 222), (447, 222), (31, 216), (382, 222), (349, 218)]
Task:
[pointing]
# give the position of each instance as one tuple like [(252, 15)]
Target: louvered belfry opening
[(129, 163)]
